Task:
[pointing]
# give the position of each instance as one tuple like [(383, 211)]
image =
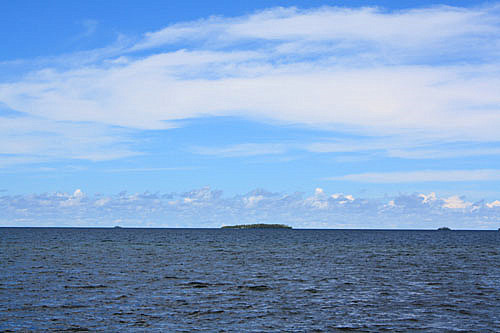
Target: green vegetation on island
[(257, 226)]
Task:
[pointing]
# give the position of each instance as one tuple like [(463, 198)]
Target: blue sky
[(312, 113)]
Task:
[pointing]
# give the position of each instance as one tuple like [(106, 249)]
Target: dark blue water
[(248, 280)]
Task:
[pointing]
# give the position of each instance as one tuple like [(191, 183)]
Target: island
[(444, 229), (257, 226)]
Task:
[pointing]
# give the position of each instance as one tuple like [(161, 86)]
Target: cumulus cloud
[(206, 207), (455, 202), (428, 73), (493, 204)]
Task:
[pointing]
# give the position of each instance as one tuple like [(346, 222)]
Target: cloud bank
[(430, 73), (210, 208)]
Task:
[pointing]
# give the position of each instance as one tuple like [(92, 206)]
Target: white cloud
[(493, 204), (253, 200), (246, 149), (32, 139), (315, 96), (401, 147), (78, 193), (101, 202), (334, 24), (209, 208), (455, 202), (423, 176), (319, 200), (149, 169), (428, 198), (349, 197), (448, 152), (361, 70), (363, 147)]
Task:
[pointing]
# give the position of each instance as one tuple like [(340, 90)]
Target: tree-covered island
[(257, 226)]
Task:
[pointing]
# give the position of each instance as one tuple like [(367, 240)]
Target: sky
[(317, 114)]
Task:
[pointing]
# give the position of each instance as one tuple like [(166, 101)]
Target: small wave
[(95, 286), (311, 290), (73, 306), (262, 287), (202, 313), (196, 284), (75, 329)]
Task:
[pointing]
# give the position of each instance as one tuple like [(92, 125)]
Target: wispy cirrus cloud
[(28, 138), (399, 28), (246, 149), (423, 176), (90, 27), (149, 169), (431, 74), (392, 147), (401, 147)]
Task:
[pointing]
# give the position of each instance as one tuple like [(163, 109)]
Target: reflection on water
[(248, 280)]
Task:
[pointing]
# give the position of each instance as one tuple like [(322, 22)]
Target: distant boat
[(444, 229)]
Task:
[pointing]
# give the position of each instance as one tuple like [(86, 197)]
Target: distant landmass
[(444, 229), (257, 226)]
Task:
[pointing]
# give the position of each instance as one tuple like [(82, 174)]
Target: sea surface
[(223, 280)]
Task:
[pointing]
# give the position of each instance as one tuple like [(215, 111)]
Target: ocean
[(269, 280)]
